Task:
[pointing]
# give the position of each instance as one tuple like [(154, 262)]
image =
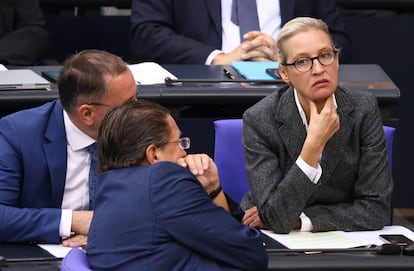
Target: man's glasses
[(304, 64), (183, 142), (134, 98)]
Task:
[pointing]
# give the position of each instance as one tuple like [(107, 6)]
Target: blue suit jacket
[(159, 217), (32, 174), (183, 32)]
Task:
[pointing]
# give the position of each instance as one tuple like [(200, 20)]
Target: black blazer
[(181, 31), (24, 38)]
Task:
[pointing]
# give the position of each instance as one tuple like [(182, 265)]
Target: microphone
[(171, 82), (384, 249), (388, 249)]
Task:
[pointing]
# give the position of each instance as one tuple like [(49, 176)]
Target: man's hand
[(257, 46), (204, 168), (78, 240)]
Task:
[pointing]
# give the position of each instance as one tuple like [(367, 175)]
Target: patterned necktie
[(93, 173), (244, 14)]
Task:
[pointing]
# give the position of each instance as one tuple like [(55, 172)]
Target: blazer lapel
[(334, 149), (292, 130), (55, 150), (214, 10)]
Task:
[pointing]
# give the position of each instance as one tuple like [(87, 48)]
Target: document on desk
[(150, 73), (56, 250), (319, 240), (336, 239)]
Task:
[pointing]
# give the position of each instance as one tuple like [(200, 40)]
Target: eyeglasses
[(134, 98), (304, 64), (183, 142)]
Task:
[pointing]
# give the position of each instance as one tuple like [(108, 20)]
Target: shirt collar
[(300, 109), (75, 137)]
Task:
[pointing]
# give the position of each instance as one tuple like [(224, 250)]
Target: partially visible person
[(315, 153), (24, 38), (204, 31), (44, 164), (152, 213)]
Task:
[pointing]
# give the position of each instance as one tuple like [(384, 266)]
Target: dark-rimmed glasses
[(138, 89), (304, 64)]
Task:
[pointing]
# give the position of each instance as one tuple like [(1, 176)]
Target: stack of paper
[(148, 73), (336, 239)]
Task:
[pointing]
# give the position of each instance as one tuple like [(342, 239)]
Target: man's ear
[(283, 73), (151, 154), (86, 114)]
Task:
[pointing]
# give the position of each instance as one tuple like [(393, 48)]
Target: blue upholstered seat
[(229, 157), (75, 260)]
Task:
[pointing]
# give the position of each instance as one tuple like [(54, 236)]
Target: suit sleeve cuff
[(235, 210)]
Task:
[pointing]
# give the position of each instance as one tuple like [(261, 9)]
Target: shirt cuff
[(306, 223), (65, 223), (212, 55), (314, 174)]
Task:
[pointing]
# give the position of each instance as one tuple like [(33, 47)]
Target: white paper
[(373, 236), (148, 73), (3, 68), (319, 240), (57, 250), (336, 239)]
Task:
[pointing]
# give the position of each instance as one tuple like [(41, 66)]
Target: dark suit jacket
[(187, 31), (159, 217), (354, 191), (23, 34), (32, 174)]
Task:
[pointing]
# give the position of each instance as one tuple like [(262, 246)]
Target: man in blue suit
[(201, 31), (153, 211), (44, 167)]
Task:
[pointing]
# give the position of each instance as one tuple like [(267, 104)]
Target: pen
[(228, 74)]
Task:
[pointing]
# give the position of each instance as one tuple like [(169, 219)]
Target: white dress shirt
[(314, 174), (269, 21), (76, 193)]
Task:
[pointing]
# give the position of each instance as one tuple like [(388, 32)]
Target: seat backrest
[(229, 157), (389, 136), (75, 260)]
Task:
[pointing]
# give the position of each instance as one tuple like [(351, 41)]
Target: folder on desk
[(22, 79), (255, 70)]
